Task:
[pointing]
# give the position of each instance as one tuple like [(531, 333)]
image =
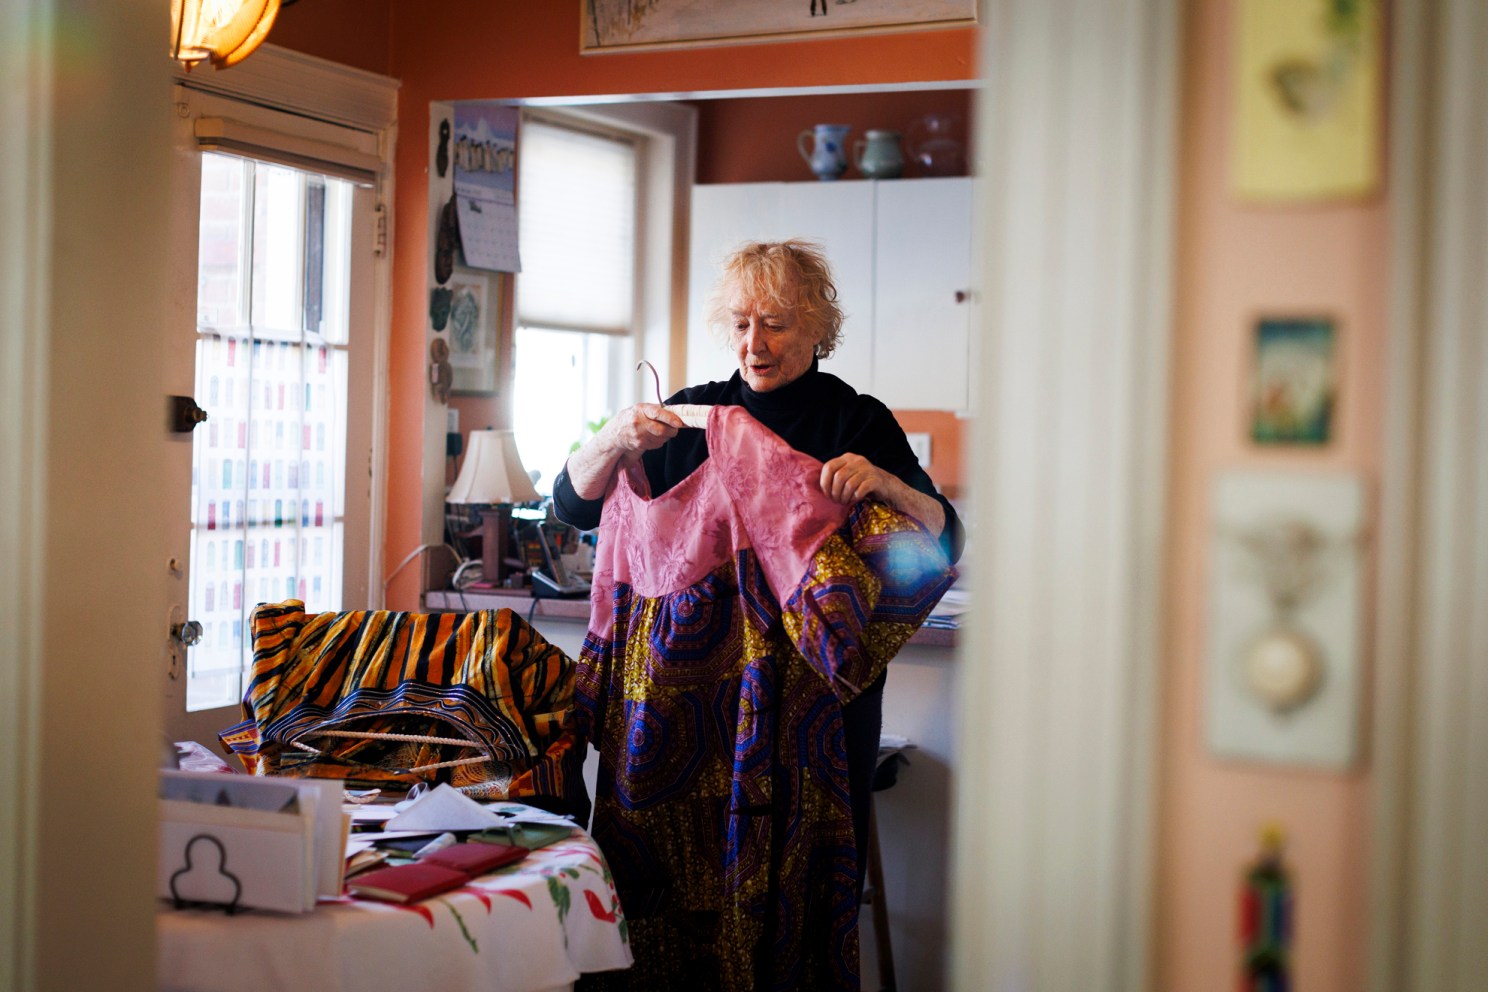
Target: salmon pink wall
[(947, 432), (503, 49), (1237, 262), (352, 32)]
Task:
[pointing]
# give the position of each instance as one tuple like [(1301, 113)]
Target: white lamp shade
[(492, 472)]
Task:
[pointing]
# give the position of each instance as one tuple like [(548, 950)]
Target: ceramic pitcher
[(828, 150), (878, 155)]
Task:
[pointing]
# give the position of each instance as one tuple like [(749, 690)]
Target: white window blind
[(360, 165), (577, 216)]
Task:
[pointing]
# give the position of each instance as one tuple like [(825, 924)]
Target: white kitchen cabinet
[(922, 294), (838, 215), (900, 252)]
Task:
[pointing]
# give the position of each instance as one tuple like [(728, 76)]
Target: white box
[(237, 840)]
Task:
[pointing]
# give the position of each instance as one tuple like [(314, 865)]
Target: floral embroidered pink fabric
[(754, 491)]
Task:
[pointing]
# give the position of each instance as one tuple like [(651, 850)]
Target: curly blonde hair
[(769, 271)]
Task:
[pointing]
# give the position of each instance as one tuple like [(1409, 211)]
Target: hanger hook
[(654, 378)]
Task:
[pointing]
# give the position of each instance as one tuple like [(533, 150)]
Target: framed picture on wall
[(1294, 387), (472, 332), (1308, 81), (625, 25)]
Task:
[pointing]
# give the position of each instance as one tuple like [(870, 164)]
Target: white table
[(531, 927)]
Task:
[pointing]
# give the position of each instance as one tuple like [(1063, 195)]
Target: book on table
[(474, 859), (529, 835), (434, 873), (412, 882)]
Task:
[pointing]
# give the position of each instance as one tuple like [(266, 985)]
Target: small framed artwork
[(472, 333), (1295, 385), (627, 25)]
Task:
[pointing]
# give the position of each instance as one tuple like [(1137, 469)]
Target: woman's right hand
[(639, 428), (624, 438)]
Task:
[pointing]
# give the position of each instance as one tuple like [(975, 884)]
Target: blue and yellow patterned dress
[(732, 619)]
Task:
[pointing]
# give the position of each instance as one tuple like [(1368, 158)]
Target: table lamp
[(492, 476)]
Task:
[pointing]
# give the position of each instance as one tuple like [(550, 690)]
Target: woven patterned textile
[(484, 677), (732, 618)]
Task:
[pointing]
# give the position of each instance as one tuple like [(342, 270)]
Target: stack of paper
[(446, 810), (241, 841), (947, 612)]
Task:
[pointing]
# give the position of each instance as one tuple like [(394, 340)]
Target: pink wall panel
[(1235, 263)]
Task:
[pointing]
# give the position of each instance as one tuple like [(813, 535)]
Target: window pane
[(277, 243), (336, 316), (223, 240), (268, 468), (564, 388), (577, 215)]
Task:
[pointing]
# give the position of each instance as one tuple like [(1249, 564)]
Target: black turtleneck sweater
[(818, 414)]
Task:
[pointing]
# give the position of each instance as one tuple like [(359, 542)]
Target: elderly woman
[(776, 306)]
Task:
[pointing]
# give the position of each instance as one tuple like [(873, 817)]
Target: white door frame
[(83, 581), (1429, 866), (1057, 726)]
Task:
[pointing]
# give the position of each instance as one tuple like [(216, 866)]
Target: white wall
[(914, 817)]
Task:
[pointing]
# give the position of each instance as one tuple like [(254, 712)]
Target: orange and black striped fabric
[(485, 677)]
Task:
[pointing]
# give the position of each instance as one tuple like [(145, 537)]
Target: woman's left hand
[(849, 478)]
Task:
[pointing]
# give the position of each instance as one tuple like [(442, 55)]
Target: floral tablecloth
[(531, 927)]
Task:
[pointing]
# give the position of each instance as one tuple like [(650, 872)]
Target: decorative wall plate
[(1282, 660)]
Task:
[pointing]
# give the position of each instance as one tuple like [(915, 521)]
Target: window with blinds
[(577, 216), (577, 195)]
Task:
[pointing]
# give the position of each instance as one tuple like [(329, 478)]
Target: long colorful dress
[(732, 617)]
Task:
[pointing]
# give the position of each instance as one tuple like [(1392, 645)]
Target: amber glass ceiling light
[(224, 32)]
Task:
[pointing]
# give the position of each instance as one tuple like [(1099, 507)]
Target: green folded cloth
[(528, 835)]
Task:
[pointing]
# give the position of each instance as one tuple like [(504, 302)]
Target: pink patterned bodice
[(753, 491)]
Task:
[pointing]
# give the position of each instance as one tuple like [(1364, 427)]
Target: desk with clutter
[(414, 817), (531, 926)]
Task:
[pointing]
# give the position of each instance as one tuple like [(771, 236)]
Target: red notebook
[(439, 871), (474, 859), (406, 883)]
